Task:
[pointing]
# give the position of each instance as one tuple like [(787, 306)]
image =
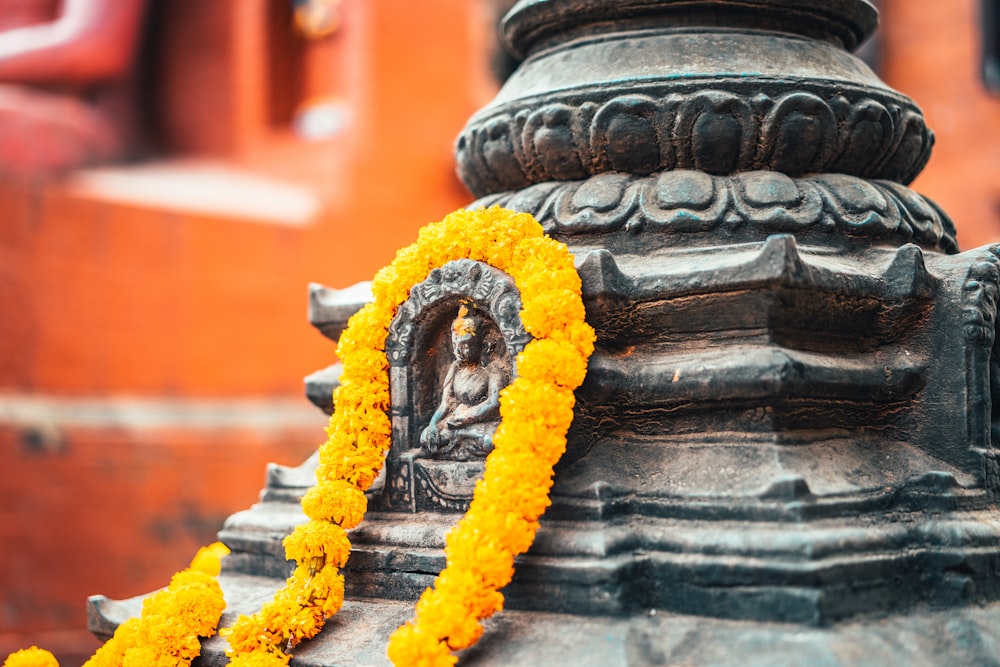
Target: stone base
[(359, 633), (791, 551)]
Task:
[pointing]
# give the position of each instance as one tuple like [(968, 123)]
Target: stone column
[(788, 417)]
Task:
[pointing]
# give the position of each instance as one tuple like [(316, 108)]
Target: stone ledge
[(359, 633)]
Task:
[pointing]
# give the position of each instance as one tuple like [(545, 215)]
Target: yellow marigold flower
[(304, 624), (196, 603), (359, 405), (328, 585), (318, 540), (392, 284), (366, 363), (483, 601), (112, 653), (522, 226), (186, 579), (142, 656), (536, 405), (31, 657), (552, 361), (255, 633), (209, 559), (387, 285), (242, 633), (465, 633), (440, 613), (172, 620), (477, 549), (352, 466), (366, 330), (479, 593), (578, 334), (260, 660), (531, 441), (515, 528), (437, 239), (338, 501), (542, 256), (550, 311), (414, 647), (361, 394)]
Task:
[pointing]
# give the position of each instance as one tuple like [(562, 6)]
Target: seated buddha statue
[(65, 83), (462, 426)]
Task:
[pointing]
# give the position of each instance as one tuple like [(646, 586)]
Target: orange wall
[(124, 300), (931, 53), (101, 300), (114, 511), (104, 301)]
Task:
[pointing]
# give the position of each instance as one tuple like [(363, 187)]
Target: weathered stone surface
[(969, 637)]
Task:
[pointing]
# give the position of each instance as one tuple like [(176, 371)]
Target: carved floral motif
[(718, 131), (682, 201)]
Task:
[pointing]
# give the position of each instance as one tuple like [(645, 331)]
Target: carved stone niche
[(421, 353)]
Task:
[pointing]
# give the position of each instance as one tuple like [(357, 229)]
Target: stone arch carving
[(418, 347)]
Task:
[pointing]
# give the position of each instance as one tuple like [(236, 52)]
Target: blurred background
[(173, 174)]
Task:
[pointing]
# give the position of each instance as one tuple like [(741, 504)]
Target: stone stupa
[(783, 451)]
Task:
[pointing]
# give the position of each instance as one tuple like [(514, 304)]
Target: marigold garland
[(536, 411), (172, 620), (31, 657), (167, 632)]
